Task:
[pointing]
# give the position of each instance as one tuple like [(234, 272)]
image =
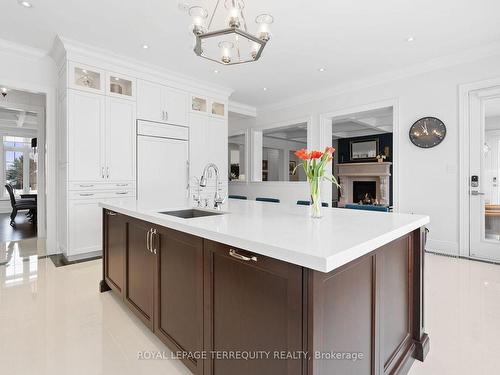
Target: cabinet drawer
[(153, 129), (75, 186), (101, 194)]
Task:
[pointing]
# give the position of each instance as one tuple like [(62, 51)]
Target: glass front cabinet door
[(87, 78), (199, 104), (218, 108), (120, 86)]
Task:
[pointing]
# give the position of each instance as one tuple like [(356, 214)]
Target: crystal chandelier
[(231, 44)]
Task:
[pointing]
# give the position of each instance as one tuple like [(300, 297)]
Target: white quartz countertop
[(286, 232)]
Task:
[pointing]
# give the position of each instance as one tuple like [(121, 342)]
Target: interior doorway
[(22, 166), (484, 171), (364, 159)]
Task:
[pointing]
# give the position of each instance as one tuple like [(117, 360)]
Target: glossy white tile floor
[(54, 321)]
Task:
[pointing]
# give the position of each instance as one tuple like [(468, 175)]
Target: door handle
[(153, 233), (475, 192), (236, 255), (107, 172), (166, 115), (148, 244), (102, 172)]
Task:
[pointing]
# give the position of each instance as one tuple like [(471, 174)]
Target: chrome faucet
[(218, 200)]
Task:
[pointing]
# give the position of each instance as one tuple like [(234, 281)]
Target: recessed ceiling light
[(321, 69), (410, 39), (145, 46), (216, 71), (265, 88), (25, 4)]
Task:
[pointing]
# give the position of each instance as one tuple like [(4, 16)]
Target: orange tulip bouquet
[(314, 164)]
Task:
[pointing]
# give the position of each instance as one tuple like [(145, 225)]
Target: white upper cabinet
[(120, 86), (176, 106), (120, 139), (150, 101), (161, 104), (86, 124), (86, 78)]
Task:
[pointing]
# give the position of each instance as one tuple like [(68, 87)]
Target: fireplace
[(359, 179), (364, 192)]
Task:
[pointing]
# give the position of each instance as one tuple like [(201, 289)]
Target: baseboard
[(442, 247), (83, 256), (61, 260)]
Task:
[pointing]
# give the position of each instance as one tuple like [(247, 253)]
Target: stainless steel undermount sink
[(191, 213)]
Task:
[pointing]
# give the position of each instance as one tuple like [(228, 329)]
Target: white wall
[(32, 70), (429, 179)]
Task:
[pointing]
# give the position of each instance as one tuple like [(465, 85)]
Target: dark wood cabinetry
[(114, 240), (205, 298), (140, 266), (252, 303), (179, 311)]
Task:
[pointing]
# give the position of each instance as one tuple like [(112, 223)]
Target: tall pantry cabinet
[(99, 100), (97, 140)]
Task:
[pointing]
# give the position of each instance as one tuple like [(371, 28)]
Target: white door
[(86, 123), (216, 144), (197, 137), (162, 172), (150, 102), (485, 174), (175, 106), (208, 144), (120, 139), (84, 226)]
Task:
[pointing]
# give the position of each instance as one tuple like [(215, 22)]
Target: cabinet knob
[(236, 255)]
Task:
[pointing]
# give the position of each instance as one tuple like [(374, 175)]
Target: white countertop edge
[(322, 264)]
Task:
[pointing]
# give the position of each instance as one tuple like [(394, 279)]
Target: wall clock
[(427, 132)]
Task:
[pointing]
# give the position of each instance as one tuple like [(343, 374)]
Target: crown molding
[(242, 109), (74, 50), (7, 46), (462, 57)]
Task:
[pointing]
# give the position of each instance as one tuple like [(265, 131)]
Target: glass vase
[(314, 185)]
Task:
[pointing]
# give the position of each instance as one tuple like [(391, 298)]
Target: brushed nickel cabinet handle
[(111, 213), (148, 244), (121, 184), (235, 254), (102, 172), (121, 192), (86, 194), (107, 172), (153, 233), (88, 185)]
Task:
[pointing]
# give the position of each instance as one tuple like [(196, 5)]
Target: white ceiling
[(359, 124), (351, 39)]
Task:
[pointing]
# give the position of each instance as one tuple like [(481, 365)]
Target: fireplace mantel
[(350, 172)]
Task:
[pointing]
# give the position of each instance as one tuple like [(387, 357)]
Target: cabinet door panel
[(251, 306), (150, 101), (114, 249), (85, 226), (176, 106), (86, 119), (216, 143), (139, 272), (120, 139), (179, 318), (197, 157)]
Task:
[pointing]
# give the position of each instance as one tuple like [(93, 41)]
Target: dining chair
[(264, 199), (237, 197), (308, 203), (20, 205)]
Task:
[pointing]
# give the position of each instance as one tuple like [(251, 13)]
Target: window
[(20, 165)]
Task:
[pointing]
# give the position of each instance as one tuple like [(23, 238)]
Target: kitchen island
[(261, 288)]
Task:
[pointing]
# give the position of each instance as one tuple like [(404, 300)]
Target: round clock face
[(427, 132)]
